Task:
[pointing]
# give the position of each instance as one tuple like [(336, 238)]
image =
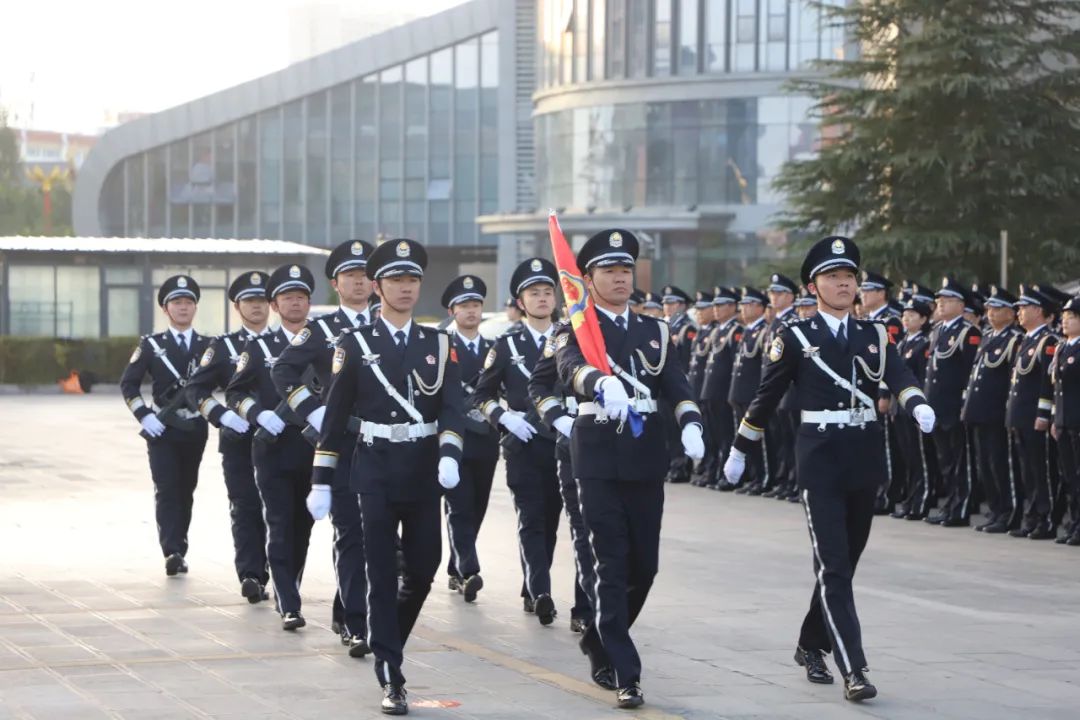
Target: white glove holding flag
[(152, 426), (270, 422), (616, 402), (692, 442), (318, 501), (234, 422), (925, 416), (734, 466), (448, 473), (564, 425), (518, 426), (314, 419)]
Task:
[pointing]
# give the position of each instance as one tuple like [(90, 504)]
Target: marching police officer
[(466, 505), (636, 299), (699, 358), (953, 345), (218, 364), (402, 383), (620, 475), (723, 344), (1028, 393), (683, 333), (1065, 415), (984, 412), (745, 378), (528, 446), (913, 348), (302, 376), (837, 363), (782, 425), (652, 306), (280, 451), (175, 434)]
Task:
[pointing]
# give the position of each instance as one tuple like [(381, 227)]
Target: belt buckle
[(476, 415), (399, 432)]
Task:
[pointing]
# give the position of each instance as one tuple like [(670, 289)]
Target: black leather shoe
[(899, 514), (600, 669), (604, 677), (528, 605), (772, 493), (393, 701), (1073, 540), (1019, 532), (174, 564), (358, 646), (630, 697), (914, 516), (337, 628), (471, 586), (956, 522), (995, 528), (577, 625), (454, 583), (545, 609), (794, 497), (292, 621), (936, 518), (725, 486), (253, 590), (1042, 532), (1062, 540), (755, 490), (857, 688), (814, 662)]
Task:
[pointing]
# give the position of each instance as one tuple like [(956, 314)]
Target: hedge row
[(37, 361)]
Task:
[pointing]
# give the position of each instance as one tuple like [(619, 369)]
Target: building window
[(200, 184), (597, 23), (136, 210), (466, 110), (293, 135), (224, 182), (716, 28), (367, 156), (416, 144), (616, 39), (441, 111), (157, 195), (55, 301), (32, 299), (581, 40), (341, 154), (270, 164), (638, 47), (179, 190), (745, 40), (489, 123), (317, 169), (662, 44), (774, 35), (246, 177), (390, 156)]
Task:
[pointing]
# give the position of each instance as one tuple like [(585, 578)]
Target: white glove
[(616, 402), (234, 422), (315, 417), (270, 422), (692, 442), (734, 466), (925, 416), (152, 425), (518, 426), (318, 501), (448, 473), (564, 425)]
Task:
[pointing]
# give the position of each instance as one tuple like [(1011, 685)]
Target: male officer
[(528, 446), (218, 364), (953, 345), (514, 314), (699, 357), (175, 434), (636, 298), (837, 363), (782, 425), (302, 376), (1065, 415), (466, 505), (745, 378), (280, 452), (402, 383), (723, 344), (1028, 393), (984, 412), (652, 306), (913, 349), (683, 333), (620, 476), (806, 304)]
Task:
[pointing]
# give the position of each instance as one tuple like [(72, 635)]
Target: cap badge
[(402, 250), (181, 282), (357, 249), (838, 247), (615, 239), (294, 271), (776, 278), (467, 283), (256, 279), (536, 266)]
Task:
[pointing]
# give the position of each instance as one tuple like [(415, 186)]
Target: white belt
[(641, 405), (821, 418), (182, 413), (401, 432)]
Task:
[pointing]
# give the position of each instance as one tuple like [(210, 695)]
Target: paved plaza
[(956, 625)]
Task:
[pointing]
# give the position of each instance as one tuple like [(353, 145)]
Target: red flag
[(579, 306)]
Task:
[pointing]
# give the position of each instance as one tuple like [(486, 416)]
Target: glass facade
[(409, 150)]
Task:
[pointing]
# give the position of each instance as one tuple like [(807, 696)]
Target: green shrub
[(38, 361)]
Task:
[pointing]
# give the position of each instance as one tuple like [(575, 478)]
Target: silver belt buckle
[(476, 415), (399, 432)]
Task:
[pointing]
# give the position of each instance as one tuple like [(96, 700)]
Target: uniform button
[(839, 404), (415, 392), (393, 413)]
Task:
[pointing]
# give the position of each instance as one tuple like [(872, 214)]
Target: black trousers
[(533, 478), (839, 520), (465, 507), (919, 493), (350, 598), (705, 468), (722, 429), (1033, 452), (1068, 444), (174, 466), (584, 573), (283, 475), (952, 452), (393, 611), (757, 463), (623, 520), (893, 483), (991, 455), (245, 510), (782, 443)]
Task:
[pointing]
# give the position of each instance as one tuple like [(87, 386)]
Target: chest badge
[(370, 358), (872, 349), (812, 352), (430, 359), (654, 344), (1072, 360)]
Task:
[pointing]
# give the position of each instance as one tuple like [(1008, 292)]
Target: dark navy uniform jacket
[(870, 356), (1030, 390), (778, 323), (723, 344), (507, 369), (480, 439), (952, 354), (149, 357), (746, 373), (428, 376), (1065, 381), (546, 390), (988, 386), (914, 352), (683, 334), (699, 357), (251, 389), (600, 449), (216, 368)]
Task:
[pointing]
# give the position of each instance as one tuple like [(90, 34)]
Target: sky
[(73, 65)]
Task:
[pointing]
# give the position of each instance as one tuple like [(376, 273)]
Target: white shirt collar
[(353, 314), (186, 334), (537, 336), (947, 325), (834, 322), (757, 322), (288, 335), (625, 315), (785, 312), (1032, 333), (393, 330), (1072, 341), (878, 312), (254, 333)]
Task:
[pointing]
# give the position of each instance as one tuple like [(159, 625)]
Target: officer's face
[(1001, 317), (180, 311), (751, 311), (807, 311), (353, 286), (292, 305), (400, 292), (873, 299), (836, 288), (613, 284), (780, 300), (467, 314), (254, 310), (949, 308), (1070, 324), (671, 309), (513, 313), (653, 312), (1032, 316), (704, 316), (912, 321), (538, 300), (725, 311)]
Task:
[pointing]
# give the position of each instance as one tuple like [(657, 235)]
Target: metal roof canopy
[(18, 243), (583, 221)]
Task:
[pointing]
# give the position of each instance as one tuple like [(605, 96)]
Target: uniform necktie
[(399, 337), (360, 321), (621, 322), (841, 336), (541, 342), (182, 339), (472, 347)]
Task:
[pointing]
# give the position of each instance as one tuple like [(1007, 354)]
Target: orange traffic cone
[(70, 384)]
